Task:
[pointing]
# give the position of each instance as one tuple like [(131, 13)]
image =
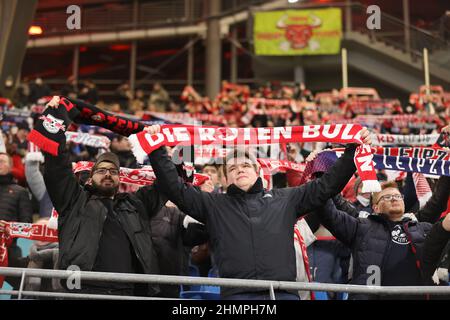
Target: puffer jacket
[(369, 239), (15, 202)]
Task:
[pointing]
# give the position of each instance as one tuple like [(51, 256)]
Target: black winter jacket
[(369, 239), (435, 244), (82, 216), (173, 243), (15, 202), (251, 232)]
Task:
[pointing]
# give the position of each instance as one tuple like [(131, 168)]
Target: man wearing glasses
[(387, 247), (100, 229)]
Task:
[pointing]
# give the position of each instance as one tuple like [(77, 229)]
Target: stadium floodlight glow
[(34, 30), (292, 1)]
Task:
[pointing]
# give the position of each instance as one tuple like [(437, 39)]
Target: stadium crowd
[(284, 211)]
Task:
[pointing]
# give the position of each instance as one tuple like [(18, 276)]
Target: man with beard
[(100, 229)]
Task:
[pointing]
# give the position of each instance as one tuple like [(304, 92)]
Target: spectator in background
[(174, 234), (301, 93), (20, 138), (159, 100), (36, 183), (38, 89), (139, 102), (15, 205), (214, 173), (389, 239), (124, 96), (43, 255), (122, 148), (22, 97), (88, 92), (17, 169), (70, 89), (362, 203)]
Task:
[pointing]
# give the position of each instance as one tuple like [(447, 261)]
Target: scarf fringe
[(43, 142)]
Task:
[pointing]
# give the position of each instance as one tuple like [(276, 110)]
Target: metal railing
[(392, 32), (131, 14), (271, 286)]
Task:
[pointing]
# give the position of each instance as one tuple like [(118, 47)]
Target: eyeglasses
[(390, 197), (112, 171)]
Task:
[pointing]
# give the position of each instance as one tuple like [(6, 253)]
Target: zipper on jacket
[(98, 240), (244, 205), (388, 249)]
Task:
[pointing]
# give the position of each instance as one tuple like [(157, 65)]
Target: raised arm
[(437, 203), (152, 198), (435, 243), (61, 184), (342, 225), (34, 177), (314, 194), (187, 198)]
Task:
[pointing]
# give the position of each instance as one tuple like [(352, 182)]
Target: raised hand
[(365, 136), (156, 128), (54, 103)]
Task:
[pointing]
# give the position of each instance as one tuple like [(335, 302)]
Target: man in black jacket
[(15, 205), (435, 243), (388, 243), (250, 228), (100, 229)]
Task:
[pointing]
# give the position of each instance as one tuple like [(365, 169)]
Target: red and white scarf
[(32, 231), (90, 140), (410, 140), (171, 135)]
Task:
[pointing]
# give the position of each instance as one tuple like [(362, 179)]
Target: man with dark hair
[(100, 229), (250, 228)]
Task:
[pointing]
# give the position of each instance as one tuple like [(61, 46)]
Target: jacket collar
[(256, 188), (383, 218)]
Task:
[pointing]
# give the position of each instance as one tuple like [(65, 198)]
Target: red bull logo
[(298, 36), (52, 124)]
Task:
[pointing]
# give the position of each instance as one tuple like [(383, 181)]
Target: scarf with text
[(171, 135), (31, 231), (410, 140), (427, 166), (48, 133), (143, 176)]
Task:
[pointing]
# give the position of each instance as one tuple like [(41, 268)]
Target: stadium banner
[(298, 32)]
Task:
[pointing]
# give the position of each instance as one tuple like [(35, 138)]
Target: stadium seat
[(213, 273), (202, 292), (24, 245), (6, 286), (321, 295), (342, 296), (200, 295)]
